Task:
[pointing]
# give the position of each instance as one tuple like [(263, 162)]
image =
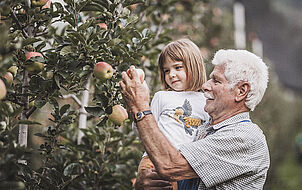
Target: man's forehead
[(218, 70)]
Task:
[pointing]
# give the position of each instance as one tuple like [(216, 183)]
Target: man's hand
[(135, 93), (150, 180)]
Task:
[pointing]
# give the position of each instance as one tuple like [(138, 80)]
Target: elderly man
[(232, 152)]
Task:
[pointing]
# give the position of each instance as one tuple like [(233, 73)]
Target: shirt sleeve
[(223, 156), (156, 105)]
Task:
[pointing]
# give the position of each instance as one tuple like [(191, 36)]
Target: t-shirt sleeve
[(155, 105), (221, 157)]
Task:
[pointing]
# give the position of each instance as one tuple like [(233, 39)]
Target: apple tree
[(66, 57)]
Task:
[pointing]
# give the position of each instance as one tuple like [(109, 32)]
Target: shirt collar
[(232, 120)]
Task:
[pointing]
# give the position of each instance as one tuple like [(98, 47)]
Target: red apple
[(2, 90), (140, 73), (118, 115), (38, 3), (8, 77), (103, 25), (103, 71), (34, 67), (47, 5)]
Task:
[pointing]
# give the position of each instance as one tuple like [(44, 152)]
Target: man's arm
[(168, 161)]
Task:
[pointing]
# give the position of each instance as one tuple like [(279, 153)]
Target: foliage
[(71, 41)]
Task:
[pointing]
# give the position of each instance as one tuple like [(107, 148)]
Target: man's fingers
[(134, 74), (125, 78)]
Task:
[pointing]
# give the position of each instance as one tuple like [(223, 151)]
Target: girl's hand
[(150, 180)]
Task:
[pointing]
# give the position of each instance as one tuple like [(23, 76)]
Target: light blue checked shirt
[(233, 156)]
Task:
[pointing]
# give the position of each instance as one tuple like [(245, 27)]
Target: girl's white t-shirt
[(179, 114)]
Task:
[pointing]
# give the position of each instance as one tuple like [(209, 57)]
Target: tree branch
[(73, 97)]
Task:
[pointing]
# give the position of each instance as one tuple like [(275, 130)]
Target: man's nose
[(206, 86)]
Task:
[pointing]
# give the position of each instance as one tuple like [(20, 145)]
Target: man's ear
[(242, 90)]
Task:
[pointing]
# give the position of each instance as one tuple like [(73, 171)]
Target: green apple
[(13, 70), (8, 77), (34, 67), (38, 3), (118, 115), (103, 71), (2, 90), (140, 73)]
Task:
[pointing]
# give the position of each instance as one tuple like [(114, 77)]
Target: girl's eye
[(166, 71), (178, 67)]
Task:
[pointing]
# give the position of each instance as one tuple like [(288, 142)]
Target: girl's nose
[(172, 74)]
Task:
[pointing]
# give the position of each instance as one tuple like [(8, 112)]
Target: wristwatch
[(141, 114)]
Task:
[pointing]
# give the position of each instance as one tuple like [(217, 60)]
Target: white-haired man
[(232, 153)]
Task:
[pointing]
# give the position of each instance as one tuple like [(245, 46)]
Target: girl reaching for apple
[(178, 109)]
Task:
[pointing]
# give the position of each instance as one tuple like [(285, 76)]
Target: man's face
[(220, 96)]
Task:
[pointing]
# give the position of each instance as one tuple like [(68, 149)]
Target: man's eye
[(216, 81)]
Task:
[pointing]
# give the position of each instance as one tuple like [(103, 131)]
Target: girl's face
[(175, 75)]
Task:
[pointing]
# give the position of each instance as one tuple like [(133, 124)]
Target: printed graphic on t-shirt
[(183, 115)]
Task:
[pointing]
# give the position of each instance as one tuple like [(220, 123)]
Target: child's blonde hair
[(186, 51)]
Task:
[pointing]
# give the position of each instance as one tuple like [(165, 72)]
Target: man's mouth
[(208, 96)]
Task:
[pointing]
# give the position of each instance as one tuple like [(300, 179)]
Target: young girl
[(179, 109)]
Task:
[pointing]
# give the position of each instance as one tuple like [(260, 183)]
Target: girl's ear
[(242, 90)]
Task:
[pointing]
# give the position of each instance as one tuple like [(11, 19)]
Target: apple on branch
[(140, 73), (2, 90), (118, 115), (34, 66), (8, 77), (13, 69), (103, 25), (103, 71), (47, 5), (38, 3)]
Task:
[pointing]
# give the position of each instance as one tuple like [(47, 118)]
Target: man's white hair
[(242, 65)]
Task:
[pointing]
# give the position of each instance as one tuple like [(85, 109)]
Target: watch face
[(139, 115)]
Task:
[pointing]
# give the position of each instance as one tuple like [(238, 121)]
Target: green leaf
[(64, 109), (69, 169), (96, 111), (78, 36), (93, 7), (29, 41), (86, 25), (27, 122), (40, 135), (70, 20), (66, 50), (39, 103)]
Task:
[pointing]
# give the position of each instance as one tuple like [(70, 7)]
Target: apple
[(140, 72), (103, 71), (2, 90), (13, 70), (8, 77), (38, 3), (47, 5), (34, 67), (118, 115), (103, 25)]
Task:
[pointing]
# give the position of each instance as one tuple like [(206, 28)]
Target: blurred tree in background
[(72, 36)]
